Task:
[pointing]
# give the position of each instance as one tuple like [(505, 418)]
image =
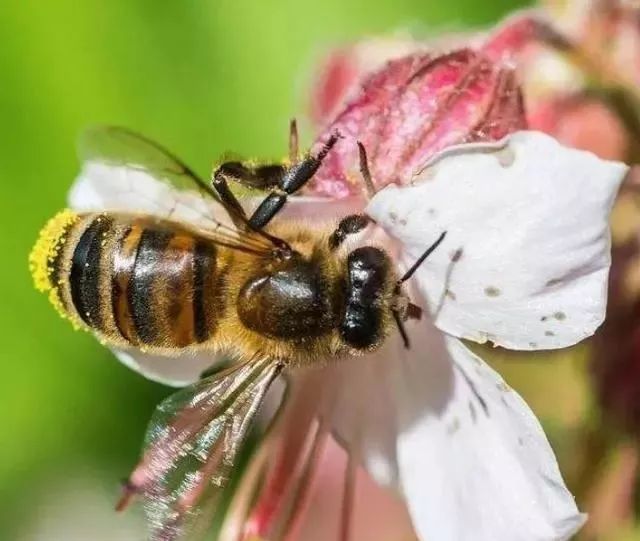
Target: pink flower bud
[(513, 36), (343, 70), (414, 107)]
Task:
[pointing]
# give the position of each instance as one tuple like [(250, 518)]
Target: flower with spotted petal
[(524, 265)]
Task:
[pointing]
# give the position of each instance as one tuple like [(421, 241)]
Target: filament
[(348, 497)]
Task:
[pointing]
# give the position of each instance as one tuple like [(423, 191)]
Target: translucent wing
[(191, 447), (126, 171), (123, 171), (118, 146)]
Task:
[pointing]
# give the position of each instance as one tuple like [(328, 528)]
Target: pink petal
[(584, 123), (414, 107), (509, 40), (339, 76), (377, 515)]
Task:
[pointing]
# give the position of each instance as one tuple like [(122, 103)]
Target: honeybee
[(274, 296)]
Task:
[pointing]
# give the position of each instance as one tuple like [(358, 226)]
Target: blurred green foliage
[(203, 77)]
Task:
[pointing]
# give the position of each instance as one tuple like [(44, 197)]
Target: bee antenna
[(421, 259)]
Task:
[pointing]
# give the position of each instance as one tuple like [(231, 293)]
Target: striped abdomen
[(140, 280)]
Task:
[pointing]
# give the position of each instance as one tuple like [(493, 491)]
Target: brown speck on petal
[(492, 291), (554, 282)]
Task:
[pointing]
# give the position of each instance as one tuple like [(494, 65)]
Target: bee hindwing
[(191, 446)]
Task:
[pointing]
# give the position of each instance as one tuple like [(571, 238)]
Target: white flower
[(524, 265)]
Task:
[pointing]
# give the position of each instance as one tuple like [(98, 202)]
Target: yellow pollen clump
[(41, 259)]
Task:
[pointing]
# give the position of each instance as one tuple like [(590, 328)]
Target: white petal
[(465, 450), (363, 412), (175, 371), (480, 467), (526, 257), (102, 186)]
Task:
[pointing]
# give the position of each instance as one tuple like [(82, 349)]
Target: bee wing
[(191, 447), (125, 171)]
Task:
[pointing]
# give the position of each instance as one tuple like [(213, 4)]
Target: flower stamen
[(348, 497)]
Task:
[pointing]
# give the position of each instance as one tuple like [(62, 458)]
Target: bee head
[(369, 286)]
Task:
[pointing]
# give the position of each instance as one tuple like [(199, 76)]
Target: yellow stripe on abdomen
[(47, 256)]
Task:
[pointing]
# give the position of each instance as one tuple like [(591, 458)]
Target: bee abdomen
[(165, 291), (139, 280)]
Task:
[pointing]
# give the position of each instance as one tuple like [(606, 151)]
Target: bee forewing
[(192, 444), (123, 171), (118, 146)]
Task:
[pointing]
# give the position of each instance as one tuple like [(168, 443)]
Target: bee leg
[(370, 188), (262, 177), (293, 142), (228, 198), (249, 177), (294, 178), (349, 225)]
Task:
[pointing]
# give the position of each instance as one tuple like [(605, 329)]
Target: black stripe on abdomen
[(140, 292), (204, 268), (84, 278)]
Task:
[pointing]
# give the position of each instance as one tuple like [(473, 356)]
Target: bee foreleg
[(293, 180), (349, 225)]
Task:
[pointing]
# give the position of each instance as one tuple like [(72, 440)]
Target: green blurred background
[(203, 77)]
